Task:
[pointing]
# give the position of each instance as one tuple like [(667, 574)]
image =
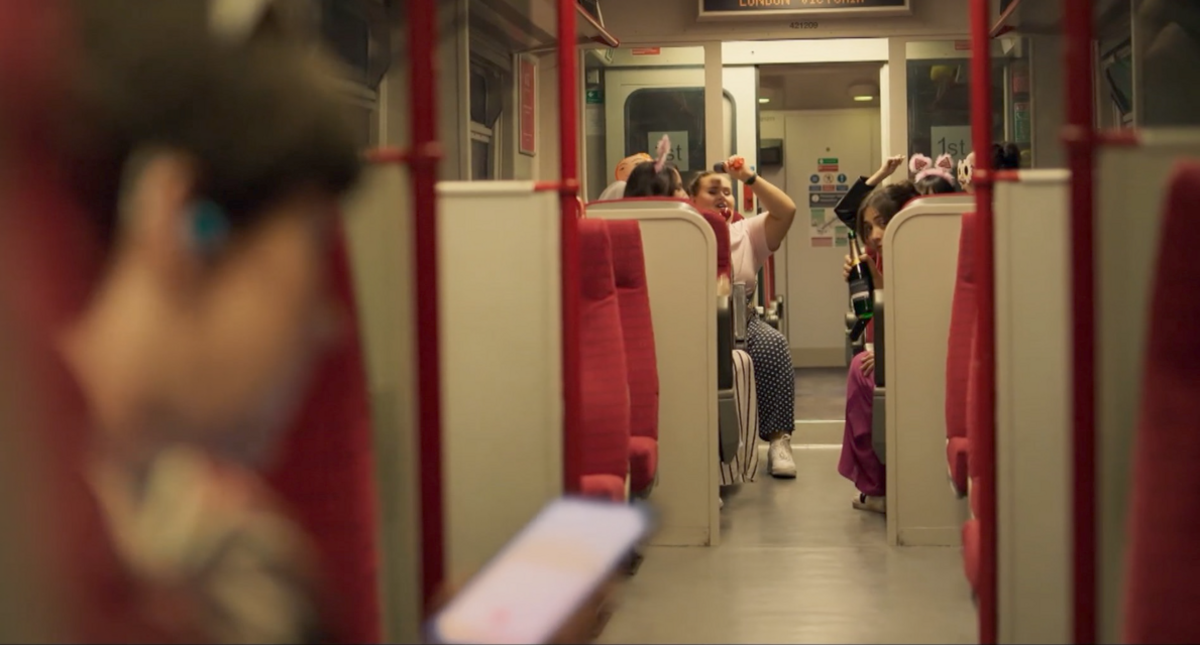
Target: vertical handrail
[(1080, 138), (769, 287), (568, 112), (422, 159), (984, 410)]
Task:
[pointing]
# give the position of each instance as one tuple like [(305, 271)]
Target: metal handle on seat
[(739, 307), (725, 343), (880, 345)]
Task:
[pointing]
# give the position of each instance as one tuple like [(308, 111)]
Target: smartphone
[(529, 590)]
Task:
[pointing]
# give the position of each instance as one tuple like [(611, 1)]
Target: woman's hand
[(737, 168), (847, 264), (868, 362), (889, 167)]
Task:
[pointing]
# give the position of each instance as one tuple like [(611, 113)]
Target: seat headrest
[(1175, 315), (629, 264), (595, 260), (966, 248)]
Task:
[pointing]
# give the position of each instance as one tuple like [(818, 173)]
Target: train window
[(1167, 52), (486, 105), (679, 113), (363, 104), (939, 101), (1117, 67), (483, 153), (357, 32)]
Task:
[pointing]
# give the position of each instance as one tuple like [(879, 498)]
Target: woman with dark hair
[(647, 180), (935, 185), (209, 172), (858, 462), (933, 177), (1006, 156)]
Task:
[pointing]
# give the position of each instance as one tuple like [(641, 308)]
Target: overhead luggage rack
[(531, 24)]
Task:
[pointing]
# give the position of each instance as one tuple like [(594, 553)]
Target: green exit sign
[(595, 97)]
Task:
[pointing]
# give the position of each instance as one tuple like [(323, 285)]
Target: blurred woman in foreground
[(209, 172)]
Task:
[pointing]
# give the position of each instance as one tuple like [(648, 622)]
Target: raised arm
[(889, 168), (847, 208), (781, 210)]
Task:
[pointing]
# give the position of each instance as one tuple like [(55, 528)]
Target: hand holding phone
[(544, 583)]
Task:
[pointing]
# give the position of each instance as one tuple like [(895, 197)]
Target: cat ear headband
[(945, 162), (923, 167), (919, 163)]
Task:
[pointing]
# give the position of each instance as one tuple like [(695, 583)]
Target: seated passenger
[(858, 462), (616, 190), (847, 207), (933, 178), (661, 179), (648, 179), (751, 242), (1005, 156)]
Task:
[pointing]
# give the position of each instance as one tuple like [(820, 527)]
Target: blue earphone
[(207, 228)]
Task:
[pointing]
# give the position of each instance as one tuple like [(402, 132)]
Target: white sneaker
[(779, 457), (869, 503)]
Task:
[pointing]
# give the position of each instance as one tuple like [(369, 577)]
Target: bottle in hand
[(862, 285)]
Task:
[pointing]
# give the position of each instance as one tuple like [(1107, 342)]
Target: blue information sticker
[(841, 179), (816, 179)]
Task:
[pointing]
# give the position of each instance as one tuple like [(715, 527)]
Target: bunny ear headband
[(664, 148)]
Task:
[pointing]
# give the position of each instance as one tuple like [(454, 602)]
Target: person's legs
[(775, 380), (858, 462)]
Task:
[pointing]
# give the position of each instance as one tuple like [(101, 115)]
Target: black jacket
[(847, 208)]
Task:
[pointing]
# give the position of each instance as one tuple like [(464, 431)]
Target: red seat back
[(326, 474), (721, 230), (975, 458), (641, 360), (1161, 593), (962, 324), (629, 267), (604, 372)]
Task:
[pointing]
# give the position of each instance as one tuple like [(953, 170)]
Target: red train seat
[(971, 529), (1161, 592), (326, 475), (958, 356), (971, 549), (606, 405), (629, 267), (721, 230)]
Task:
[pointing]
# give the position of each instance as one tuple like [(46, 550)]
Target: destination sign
[(785, 7)]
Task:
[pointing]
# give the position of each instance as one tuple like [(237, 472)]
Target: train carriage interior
[(591, 248)]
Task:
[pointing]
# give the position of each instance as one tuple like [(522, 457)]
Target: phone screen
[(530, 589)]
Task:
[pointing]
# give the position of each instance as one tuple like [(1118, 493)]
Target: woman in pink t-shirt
[(751, 242)]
